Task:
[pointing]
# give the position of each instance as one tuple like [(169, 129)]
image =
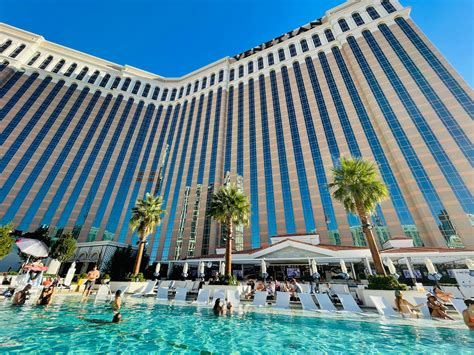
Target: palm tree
[(356, 185), (146, 215), (230, 207)]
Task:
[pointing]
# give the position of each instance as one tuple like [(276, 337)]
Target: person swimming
[(117, 302), (116, 319)]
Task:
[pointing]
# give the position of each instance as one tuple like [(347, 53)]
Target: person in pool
[(117, 302), (116, 319), (46, 296), (221, 309), (437, 309), (20, 297), (468, 314)]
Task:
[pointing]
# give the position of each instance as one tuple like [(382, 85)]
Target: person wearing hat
[(404, 307)]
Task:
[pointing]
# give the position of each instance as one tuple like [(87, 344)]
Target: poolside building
[(83, 138)]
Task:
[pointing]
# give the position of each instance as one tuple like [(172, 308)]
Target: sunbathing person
[(437, 309), (20, 297), (404, 307), (468, 314), (443, 296)]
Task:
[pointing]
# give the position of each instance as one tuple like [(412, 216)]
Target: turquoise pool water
[(151, 327)]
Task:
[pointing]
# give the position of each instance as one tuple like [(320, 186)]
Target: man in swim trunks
[(92, 276)]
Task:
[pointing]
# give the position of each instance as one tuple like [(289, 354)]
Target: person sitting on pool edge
[(437, 309), (404, 307), (468, 314), (92, 276)]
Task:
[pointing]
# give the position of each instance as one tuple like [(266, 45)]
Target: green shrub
[(380, 282), (135, 278), (12, 272), (106, 277), (83, 276)]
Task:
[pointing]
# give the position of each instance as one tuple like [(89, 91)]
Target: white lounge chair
[(181, 294), (103, 294), (233, 297), (260, 299), (123, 290), (459, 305), (339, 288), (425, 311), (453, 290), (305, 288), (165, 283), (195, 287), (282, 300), (383, 306), (467, 291), (179, 284), (203, 297), (325, 303), (218, 293), (307, 302), (348, 303), (147, 289), (162, 294)]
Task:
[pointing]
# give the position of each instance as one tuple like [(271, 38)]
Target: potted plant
[(105, 279)]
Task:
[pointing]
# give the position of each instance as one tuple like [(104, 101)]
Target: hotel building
[(83, 138)]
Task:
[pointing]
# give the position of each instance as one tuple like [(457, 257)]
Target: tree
[(6, 240), (64, 247), (356, 185), (41, 233), (146, 215), (230, 207)]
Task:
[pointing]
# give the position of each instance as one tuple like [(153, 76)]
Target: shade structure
[(391, 267), (32, 247), (222, 268), (343, 266), (263, 266), (157, 268), (185, 268), (430, 266)]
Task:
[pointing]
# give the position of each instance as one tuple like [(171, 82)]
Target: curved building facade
[(83, 138)]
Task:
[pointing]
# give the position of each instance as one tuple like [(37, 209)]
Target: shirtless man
[(92, 276)]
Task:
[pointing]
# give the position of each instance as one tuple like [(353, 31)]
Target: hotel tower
[(83, 138)]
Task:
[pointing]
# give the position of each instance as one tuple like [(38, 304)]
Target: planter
[(132, 286), (242, 288), (364, 295)]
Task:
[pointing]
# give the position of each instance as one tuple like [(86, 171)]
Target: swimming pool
[(152, 327)]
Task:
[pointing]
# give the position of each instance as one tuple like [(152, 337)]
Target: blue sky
[(172, 38)]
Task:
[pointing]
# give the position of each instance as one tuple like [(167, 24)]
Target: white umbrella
[(157, 268), (201, 268), (430, 266), (263, 267), (343, 266), (185, 268), (314, 266), (391, 267), (32, 247), (70, 274), (222, 268)]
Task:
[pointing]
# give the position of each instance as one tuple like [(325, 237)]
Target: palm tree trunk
[(138, 260), (228, 250), (369, 235)]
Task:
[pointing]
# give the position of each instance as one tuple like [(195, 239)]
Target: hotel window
[(241, 71), (357, 19), (136, 87), (221, 76), (204, 83), (373, 13), (329, 35), (260, 63), (213, 79), (46, 62), (250, 67), (343, 25), (156, 92), (17, 51), (281, 54), (271, 59), (165, 93), (316, 40), (188, 89), (232, 74), (388, 6), (58, 66), (292, 48), (116, 83), (70, 70), (5, 45), (126, 84), (196, 86), (83, 73), (181, 91), (304, 45), (104, 80), (173, 94), (146, 90), (94, 77)]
